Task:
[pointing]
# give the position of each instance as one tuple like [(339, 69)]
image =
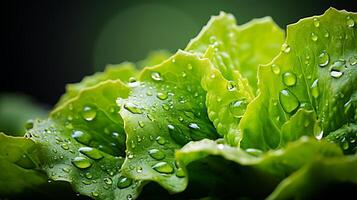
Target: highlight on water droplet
[(163, 167), (289, 78), (324, 59), (288, 101), (237, 108), (89, 113), (336, 74), (194, 126), (81, 162), (124, 182), (161, 95), (91, 152)]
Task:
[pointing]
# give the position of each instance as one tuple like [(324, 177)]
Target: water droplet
[(89, 113), (129, 197), (133, 108), (288, 101), (81, 162), (29, 124), (316, 22), (156, 76), (108, 181), (314, 37), (88, 175), (275, 68), (180, 173), (82, 137), (315, 89), (353, 60), (161, 96), (160, 140), (124, 182), (165, 107), (194, 126), (66, 169), (237, 108), (289, 79), (183, 74), (336, 74), (150, 117), (156, 154), (350, 22), (324, 59), (326, 34), (345, 145), (163, 167), (141, 124), (180, 119), (285, 48), (64, 146), (87, 182), (189, 67), (91, 152), (254, 152), (173, 60), (139, 169), (95, 194), (148, 93), (231, 86)]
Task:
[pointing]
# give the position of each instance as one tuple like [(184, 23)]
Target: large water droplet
[(316, 22), (65, 146), (88, 175), (95, 194), (231, 86), (237, 108), (124, 182), (156, 154), (89, 113), (285, 48), (314, 37), (288, 101), (163, 167), (350, 22), (82, 137), (315, 89), (161, 95), (275, 68), (160, 140), (108, 181), (156, 76), (336, 74), (289, 79), (91, 152), (324, 59), (81, 162), (133, 108)]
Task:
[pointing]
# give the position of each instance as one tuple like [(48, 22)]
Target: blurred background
[(48, 44)]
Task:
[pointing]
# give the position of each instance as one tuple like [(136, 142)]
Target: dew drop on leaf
[(275, 68), (163, 167), (324, 59), (81, 162), (156, 154), (180, 173), (88, 175), (124, 182), (108, 181), (288, 101), (64, 146), (285, 48), (353, 60), (289, 79), (194, 126), (336, 74), (237, 108), (315, 89), (314, 37), (231, 86), (89, 113), (316, 22), (160, 140), (91, 152), (350, 22), (156, 76), (82, 137), (161, 95), (133, 108)]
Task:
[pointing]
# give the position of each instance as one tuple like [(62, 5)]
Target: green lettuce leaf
[(153, 58), (313, 77), (83, 142), (18, 165)]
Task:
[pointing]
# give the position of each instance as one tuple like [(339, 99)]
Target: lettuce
[(237, 107)]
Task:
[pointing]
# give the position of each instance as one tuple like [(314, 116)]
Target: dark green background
[(51, 43)]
